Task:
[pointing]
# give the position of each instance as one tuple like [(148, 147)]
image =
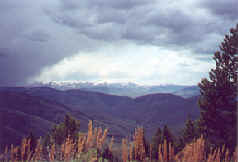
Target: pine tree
[(218, 101), (33, 141), (168, 138), (69, 127), (156, 140), (189, 132), (167, 135)]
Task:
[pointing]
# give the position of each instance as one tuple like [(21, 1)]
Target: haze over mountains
[(122, 89), (36, 109)]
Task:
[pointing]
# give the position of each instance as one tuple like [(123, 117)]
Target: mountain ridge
[(122, 89), (121, 114)]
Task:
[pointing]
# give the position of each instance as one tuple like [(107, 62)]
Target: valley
[(37, 109)]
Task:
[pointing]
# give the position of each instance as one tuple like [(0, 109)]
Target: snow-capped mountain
[(65, 85), (121, 89)]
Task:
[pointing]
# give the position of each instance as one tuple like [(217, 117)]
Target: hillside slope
[(38, 108), (21, 114)]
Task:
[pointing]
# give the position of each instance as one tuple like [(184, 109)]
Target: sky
[(143, 41)]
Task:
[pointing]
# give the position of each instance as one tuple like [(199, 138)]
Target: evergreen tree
[(189, 132), (156, 140), (33, 141), (218, 101), (198, 128), (179, 144), (69, 127), (167, 135)]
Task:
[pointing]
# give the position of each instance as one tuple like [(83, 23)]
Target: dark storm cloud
[(104, 4), (4, 52), (103, 19), (37, 34), (225, 8), (31, 41), (149, 22)]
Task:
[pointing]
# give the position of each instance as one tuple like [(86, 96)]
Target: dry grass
[(195, 151), (90, 138), (131, 152), (68, 150), (166, 152), (139, 145), (111, 144), (134, 150), (124, 150)]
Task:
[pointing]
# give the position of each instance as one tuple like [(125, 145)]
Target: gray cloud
[(31, 41), (36, 34), (104, 4), (4, 52), (228, 9), (148, 22)]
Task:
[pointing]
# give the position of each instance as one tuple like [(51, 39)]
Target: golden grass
[(139, 145), (166, 152), (131, 152), (124, 150), (195, 151), (134, 150), (90, 134), (111, 144)]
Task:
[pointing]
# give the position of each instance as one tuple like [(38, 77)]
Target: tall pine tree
[(156, 140), (189, 132), (167, 135), (218, 101)]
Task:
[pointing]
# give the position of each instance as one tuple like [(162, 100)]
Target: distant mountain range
[(122, 89), (36, 109)]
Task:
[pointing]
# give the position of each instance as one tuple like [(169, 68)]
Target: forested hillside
[(36, 110)]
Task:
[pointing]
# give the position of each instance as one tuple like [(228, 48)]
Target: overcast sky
[(142, 41)]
